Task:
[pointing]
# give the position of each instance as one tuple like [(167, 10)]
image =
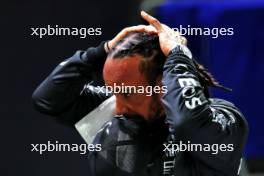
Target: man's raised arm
[(62, 94)]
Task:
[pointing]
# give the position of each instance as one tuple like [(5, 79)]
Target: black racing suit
[(132, 147)]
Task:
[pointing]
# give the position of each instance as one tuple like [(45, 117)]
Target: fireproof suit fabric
[(196, 119), (129, 146), (132, 147)]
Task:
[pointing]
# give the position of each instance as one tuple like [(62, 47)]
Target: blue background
[(236, 61)]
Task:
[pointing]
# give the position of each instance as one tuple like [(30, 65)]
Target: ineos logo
[(189, 93)]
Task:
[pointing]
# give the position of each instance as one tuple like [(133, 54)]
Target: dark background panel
[(26, 60)]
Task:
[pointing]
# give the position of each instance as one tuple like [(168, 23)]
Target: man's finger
[(151, 29), (139, 28), (152, 21), (142, 28)]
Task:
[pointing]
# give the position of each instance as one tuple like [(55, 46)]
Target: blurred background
[(236, 61)]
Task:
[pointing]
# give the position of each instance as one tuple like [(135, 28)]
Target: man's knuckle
[(155, 21), (125, 30)]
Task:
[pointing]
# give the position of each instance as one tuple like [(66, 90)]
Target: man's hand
[(168, 38), (140, 28)]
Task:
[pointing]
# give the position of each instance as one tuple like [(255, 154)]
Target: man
[(139, 140)]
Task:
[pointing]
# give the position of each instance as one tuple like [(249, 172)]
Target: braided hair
[(207, 79), (147, 45)]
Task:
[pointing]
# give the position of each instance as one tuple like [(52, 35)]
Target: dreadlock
[(148, 46), (207, 79)]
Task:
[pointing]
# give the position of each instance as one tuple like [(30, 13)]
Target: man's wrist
[(95, 55), (181, 49)]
